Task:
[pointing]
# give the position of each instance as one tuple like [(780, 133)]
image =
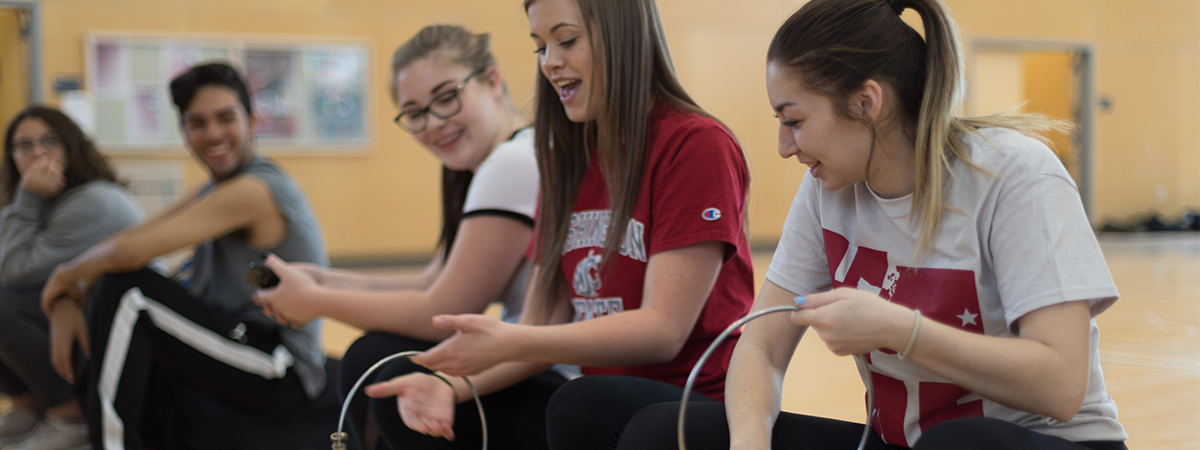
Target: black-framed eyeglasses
[(47, 141), (444, 106)]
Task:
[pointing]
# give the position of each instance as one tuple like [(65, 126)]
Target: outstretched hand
[(853, 322), (293, 302), (479, 342), (426, 403)]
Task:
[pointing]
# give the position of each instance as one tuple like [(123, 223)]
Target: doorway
[(20, 57), (1053, 78)]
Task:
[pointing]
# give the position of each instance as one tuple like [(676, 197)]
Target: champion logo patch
[(711, 214)]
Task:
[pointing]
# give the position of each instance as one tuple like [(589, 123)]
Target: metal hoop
[(339, 437), (691, 380)]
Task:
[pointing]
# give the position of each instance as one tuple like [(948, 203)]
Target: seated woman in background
[(61, 198), (952, 252), (453, 100)]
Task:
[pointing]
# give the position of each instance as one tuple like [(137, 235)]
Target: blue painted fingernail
[(800, 299)]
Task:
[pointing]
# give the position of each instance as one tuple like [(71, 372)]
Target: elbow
[(1067, 402), (1068, 408), (666, 350), (1064, 414)]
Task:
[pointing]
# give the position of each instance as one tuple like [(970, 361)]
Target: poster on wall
[(337, 94), (307, 97), (271, 77)]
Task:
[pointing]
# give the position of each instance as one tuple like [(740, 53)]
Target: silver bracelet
[(913, 339)]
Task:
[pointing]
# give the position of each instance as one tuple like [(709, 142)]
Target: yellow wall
[(1148, 64), (384, 202), (998, 84), (13, 75)]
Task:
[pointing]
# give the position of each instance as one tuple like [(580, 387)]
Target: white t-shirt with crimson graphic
[(1016, 240)]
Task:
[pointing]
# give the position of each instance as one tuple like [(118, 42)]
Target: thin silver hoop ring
[(339, 437), (691, 380)]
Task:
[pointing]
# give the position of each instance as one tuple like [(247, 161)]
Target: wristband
[(911, 340)]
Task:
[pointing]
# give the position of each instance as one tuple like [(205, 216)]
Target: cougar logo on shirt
[(587, 275)]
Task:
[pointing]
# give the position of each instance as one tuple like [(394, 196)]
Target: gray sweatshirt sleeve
[(36, 236)]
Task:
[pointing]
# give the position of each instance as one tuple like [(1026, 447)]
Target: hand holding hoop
[(691, 380), (339, 437)]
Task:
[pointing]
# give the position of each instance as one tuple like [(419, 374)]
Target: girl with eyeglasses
[(61, 198), (641, 244), (952, 252), (454, 102)]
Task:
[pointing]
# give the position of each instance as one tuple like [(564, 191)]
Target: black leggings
[(516, 415), (655, 428), (592, 412)]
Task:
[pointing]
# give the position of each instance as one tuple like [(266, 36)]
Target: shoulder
[(666, 121), (1013, 156), (675, 133), (507, 179), (247, 189), (266, 170), (514, 153), (101, 195)]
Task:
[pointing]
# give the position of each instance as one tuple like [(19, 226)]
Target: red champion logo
[(711, 214)]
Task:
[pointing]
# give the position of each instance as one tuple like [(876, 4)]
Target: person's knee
[(655, 426), (12, 314), (968, 432), (590, 393)]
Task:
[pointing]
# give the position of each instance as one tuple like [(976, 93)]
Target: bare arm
[(351, 280), (1043, 372), (483, 261), (754, 385), (156, 220), (239, 203), (677, 285)]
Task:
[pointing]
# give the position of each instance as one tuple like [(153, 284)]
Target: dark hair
[(833, 47), (185, 86), (84, 163), (469, 50), (631, 60)]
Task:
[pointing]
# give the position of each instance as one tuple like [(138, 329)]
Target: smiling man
[(203, 331)]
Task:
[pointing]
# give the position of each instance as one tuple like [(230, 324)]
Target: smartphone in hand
[(260, 276)]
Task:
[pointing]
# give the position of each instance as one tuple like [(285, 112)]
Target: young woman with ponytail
[(952, 253), (641, 247)]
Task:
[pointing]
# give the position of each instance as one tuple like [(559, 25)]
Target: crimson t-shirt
[(693, 190)]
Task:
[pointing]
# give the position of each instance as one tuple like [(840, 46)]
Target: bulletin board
[(308, 96)]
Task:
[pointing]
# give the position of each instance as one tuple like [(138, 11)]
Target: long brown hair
[(836, 46), (632, 63), (466, 49), (84, 162)]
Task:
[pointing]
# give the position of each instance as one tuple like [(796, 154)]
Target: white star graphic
[(967, 317)]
